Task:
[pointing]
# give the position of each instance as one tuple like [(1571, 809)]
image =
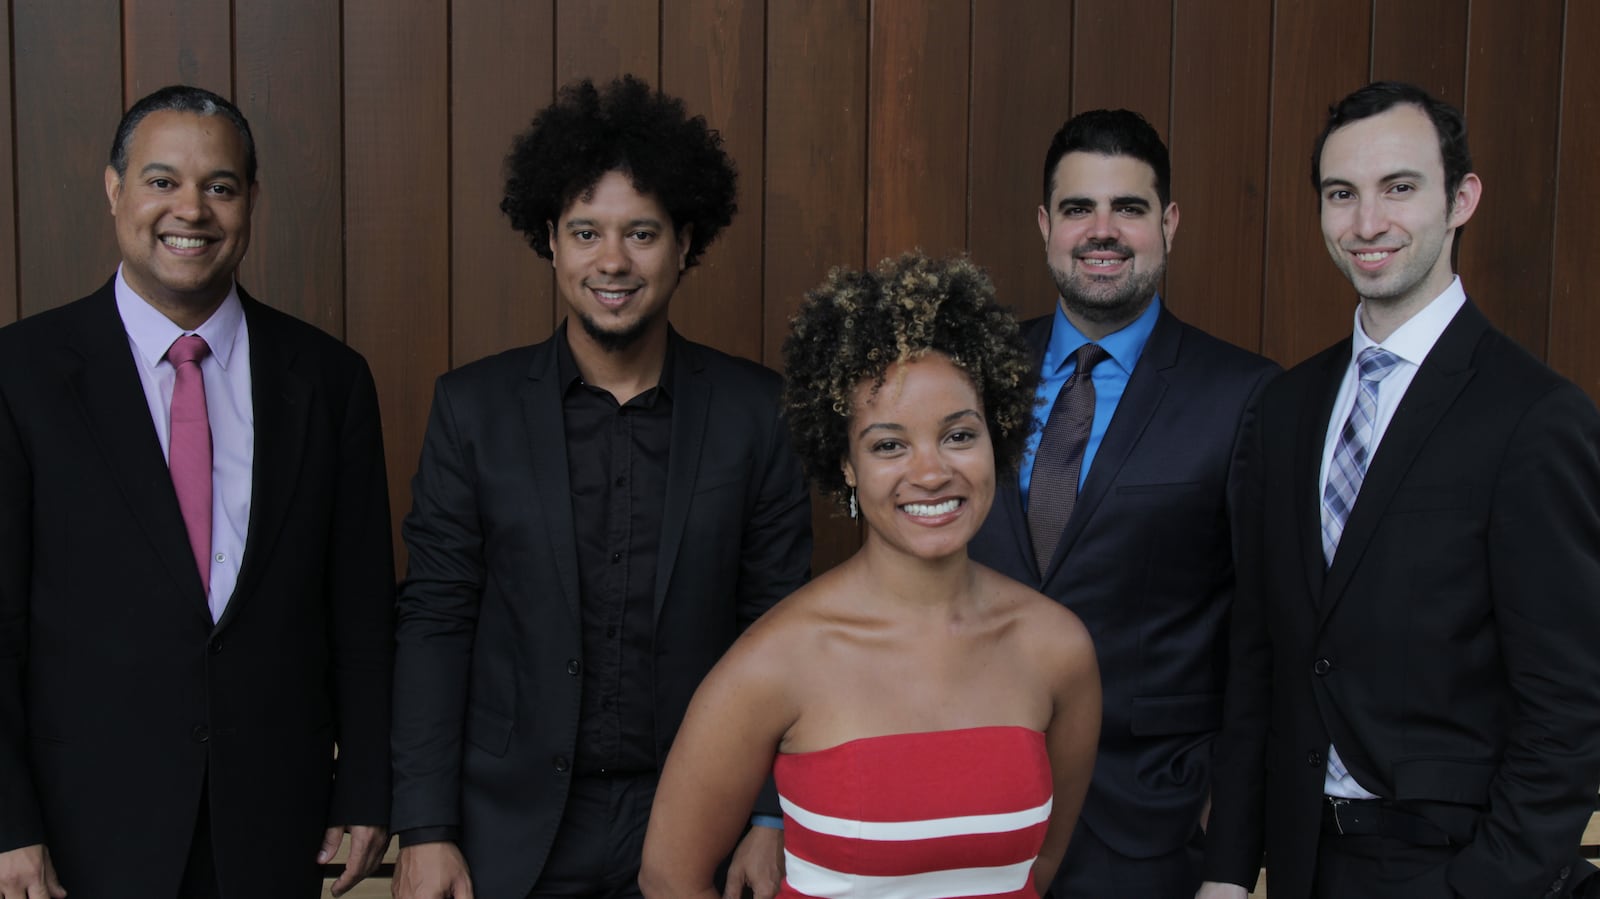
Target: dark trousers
[(601, 838), (1093, 870)]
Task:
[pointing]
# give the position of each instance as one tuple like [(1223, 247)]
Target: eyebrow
[(636, 223), (1124, 200), (1401, 175), (896, 427), (163, 168)]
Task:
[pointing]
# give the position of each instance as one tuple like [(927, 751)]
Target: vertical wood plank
[(397, 211), (712, 58), (1513, 103), (1574, 314), (816, 195), (917, 143), (10, 308), (176, 42), (1122, 58), (1220, 105), (288, 84), (1321, 51), (67, 66), (1423, 42), (605, 40), (502, 60), (1021, 94)]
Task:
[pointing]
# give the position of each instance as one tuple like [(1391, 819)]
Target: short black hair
[(1380, 97), (181, 98), (1110, 132), (857, 324), (626, 127)]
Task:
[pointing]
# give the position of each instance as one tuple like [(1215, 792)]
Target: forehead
[(1083, 174), (615, 196), (170, 137), (928, 386), (1401, 138)]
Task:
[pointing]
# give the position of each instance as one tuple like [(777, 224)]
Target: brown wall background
[(861, 127)]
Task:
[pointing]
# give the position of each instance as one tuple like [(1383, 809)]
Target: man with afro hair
[(595, 519)]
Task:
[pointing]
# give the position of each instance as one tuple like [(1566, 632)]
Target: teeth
[(613, 294), (184, 243), (1373, 256), (1102, 262), (928, 510)]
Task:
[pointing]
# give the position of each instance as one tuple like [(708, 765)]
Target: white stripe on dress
[(814, 880), (931, 828)]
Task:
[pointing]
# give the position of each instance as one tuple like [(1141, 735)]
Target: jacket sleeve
[(20, 820)]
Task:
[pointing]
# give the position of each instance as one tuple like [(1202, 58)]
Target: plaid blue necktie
[(1354, 450)]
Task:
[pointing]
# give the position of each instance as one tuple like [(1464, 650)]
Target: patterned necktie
[(1354, 450), (189, 448), (1053, 492)]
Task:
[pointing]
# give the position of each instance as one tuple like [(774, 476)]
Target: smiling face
[(1386, 218), (617, 261), (920, 458), (182, 212), (1106, 238)]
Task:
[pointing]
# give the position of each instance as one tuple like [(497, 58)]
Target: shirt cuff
[(766, 821)]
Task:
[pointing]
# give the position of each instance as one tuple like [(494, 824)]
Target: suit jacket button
[(573, 667), (216, 645), (200, 734), (1321, 667), (561, 764), (1314, 759)]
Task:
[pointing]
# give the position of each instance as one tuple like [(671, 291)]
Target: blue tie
[(1354, 449)]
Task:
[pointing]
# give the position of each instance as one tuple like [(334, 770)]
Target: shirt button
[(615, 558), (573, 667), (1321, 667), (621, 481), (200, 734), (611, 631), (560, 763), (221, 557)]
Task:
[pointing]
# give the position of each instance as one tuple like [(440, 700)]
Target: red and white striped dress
[(955, 813)]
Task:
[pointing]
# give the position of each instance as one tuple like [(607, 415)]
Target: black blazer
[(489, 661), (1452, 650), (119, 699), (1146, 562)]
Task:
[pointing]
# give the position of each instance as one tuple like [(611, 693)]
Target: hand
[(26, 873), (1213, 890), (757, 863), (367, 844), (431, 871)]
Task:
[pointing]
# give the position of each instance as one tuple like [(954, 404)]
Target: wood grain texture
[(397, 212), (67, 87), (1021, 95), (1423, 42), (287, 83), (712, 57), (1320, 53), (917, 121), (1122, 58), (9, 307), (501, 74), (605, 40), (1574, 312), (816, 196), (1221, 87), (176, 42), (1513, 104)]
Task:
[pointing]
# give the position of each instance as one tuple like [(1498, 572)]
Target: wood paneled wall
[(861, 128)]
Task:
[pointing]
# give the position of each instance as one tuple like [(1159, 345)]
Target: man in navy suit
[(1144, 555), (1414, 699)]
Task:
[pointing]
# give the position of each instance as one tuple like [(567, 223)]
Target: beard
[(619, 339), (1105, 300)]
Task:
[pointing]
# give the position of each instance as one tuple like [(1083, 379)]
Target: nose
[(613, 258), (189, 203), (1372, 218), (929, 469)]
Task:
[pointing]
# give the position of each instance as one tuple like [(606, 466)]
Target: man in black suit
[(196, 577), (1413, 708), (1143, 551), (596, 518)]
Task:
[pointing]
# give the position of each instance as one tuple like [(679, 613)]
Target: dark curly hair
[(626, 127), (857, 324)]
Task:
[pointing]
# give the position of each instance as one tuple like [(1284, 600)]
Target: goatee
[(618, 340)]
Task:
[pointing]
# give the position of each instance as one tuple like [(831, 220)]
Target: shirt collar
[(1412, 340), (153, 333), (1125, 345)]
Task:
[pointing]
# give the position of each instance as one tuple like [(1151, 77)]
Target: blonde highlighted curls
[(856, 324)]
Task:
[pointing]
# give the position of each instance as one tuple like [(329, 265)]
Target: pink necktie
[(189, 449)]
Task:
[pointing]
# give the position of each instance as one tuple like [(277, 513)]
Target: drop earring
[(855, 510)]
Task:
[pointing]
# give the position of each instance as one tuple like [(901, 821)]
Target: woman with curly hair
[(931, 724)]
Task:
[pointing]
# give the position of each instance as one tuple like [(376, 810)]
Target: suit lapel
[(1440, 379), (280, 401), (1140, 399), (1311, 433), (102, 377), (547, 448), (691, 406)]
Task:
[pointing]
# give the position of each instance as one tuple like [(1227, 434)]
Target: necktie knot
[(1088, 356), (1375, 363), (188, 348)]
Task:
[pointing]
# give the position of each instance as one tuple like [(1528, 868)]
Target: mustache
[(1106, 245)]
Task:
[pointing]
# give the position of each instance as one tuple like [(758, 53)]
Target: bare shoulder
[(1048, 633)]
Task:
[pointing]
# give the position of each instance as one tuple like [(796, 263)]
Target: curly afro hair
[(857, 324), (626, 127)]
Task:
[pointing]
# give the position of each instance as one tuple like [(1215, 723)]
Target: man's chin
[(616, 339)]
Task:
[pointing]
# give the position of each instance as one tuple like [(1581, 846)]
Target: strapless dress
[(955, 813)]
